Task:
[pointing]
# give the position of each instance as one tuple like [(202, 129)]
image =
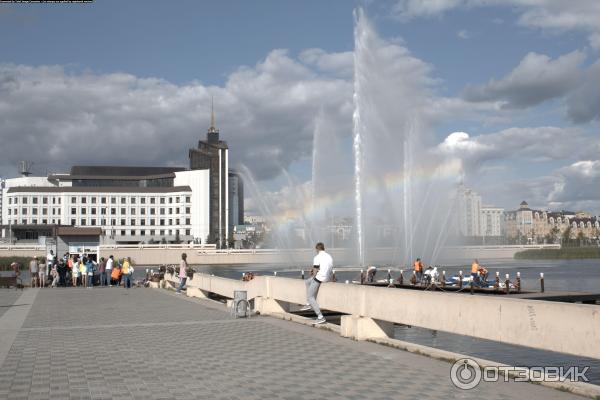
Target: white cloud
[(583, 103), (463, 34), (536, 79), (57, 118), (594, 40), (539, 144), (552, 15)]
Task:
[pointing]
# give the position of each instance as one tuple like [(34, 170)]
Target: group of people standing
[(75, 270)]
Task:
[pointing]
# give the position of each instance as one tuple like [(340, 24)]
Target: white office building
[(469, 212), (491, 221), (129, 204)]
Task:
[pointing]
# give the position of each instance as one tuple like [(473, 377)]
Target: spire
[(212, 128)]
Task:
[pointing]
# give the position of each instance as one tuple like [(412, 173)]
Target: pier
[(105, 343)]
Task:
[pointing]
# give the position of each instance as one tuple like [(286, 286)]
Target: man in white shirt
[(109, 266), (49, 262), (321, 272)]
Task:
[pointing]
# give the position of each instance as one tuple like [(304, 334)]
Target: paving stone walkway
[(112, 343)]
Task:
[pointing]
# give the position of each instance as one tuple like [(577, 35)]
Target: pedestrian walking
[(127, 270), (89, 270), (49, 262), (33, 271), (42, 275), (75, 270), (109, 269), (102, 272), (183, 265), (321, 272)]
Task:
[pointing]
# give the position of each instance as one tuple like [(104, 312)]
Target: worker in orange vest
[(475, 270), (418, 267)]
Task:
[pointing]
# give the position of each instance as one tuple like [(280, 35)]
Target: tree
[(566, 235), (580, 238)]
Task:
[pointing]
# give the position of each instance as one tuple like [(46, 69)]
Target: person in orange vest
[(475, 270), (418, 267)]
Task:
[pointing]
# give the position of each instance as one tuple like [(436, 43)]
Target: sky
[(512, 87)]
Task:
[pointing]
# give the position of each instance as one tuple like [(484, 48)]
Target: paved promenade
[(109, 343)]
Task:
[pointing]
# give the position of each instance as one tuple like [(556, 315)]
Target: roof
[(73, 231), (98, 189), (120, 171), (110, 177)]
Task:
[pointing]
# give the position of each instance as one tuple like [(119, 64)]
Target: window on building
[(34, 200), (143, 211), (177, 221), (162, 222), (34, 221), (10, 200), (103, 222), (59, 200), (187, 210), (188, 199), (143, 200), (170, 211), (132, 222), (9, 211), (123, 232), (24, 200), (73, 211), (83, 210), (177, 199), (45, 222), (34, 211), (24, 211), (187, 221), (152, 200), (73, 200), (44, 211), (162, 200), (123, 210), (113, 222), (162, 232), (162, 211), (170, 221), (113, 200), (93, 210), (44, 200), (187, 232), (123, 222), (93, 199), (152, 211), (152, 221), (103, 211), (142, 233), (83, 200), (82, 222), (170, 200), (132, 211), (73, 222), (103, 200), (142, 222), (170, 232), (93, 222), (152, 232)]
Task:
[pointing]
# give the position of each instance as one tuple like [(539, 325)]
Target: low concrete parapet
[(561, 327)]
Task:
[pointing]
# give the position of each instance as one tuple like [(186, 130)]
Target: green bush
[(565, 253)]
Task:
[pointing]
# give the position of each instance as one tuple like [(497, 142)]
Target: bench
[(10, 279)]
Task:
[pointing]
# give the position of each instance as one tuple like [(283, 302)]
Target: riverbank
[(565, 253)]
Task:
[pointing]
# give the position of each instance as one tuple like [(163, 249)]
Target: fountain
[(395, 170)]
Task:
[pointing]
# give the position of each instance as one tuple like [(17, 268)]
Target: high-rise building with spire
[(213, 154)]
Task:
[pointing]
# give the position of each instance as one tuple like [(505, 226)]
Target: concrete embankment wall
[(158, 255), (561, 327)]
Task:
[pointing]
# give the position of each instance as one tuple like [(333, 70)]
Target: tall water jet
[(357, 140), (401, 186)]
